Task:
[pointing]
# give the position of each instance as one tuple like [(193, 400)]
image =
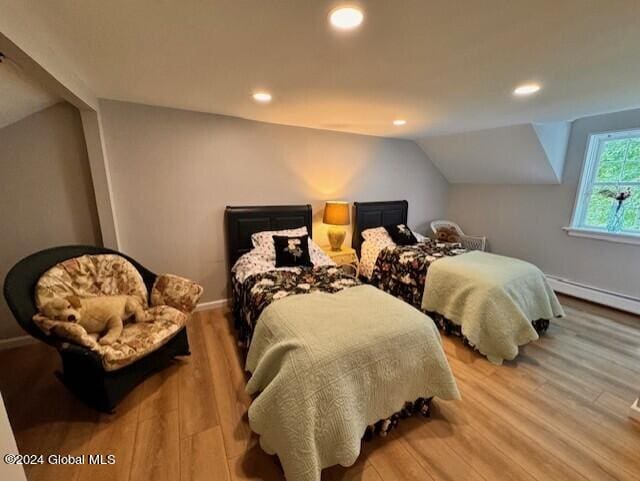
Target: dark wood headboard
[(241, 222), (375, 214)]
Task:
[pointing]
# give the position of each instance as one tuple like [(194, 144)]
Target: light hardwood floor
[(557, 413)]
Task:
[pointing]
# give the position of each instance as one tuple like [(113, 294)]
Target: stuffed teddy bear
[(447, 234), (96, 314)]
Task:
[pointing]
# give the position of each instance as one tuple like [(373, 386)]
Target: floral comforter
[(401, 270), (259, 290)]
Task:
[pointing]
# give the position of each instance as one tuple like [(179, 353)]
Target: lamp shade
[(336, 213)]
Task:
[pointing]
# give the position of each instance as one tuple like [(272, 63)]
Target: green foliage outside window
[(617, 170)]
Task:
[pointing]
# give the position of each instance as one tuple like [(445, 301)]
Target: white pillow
[(369, 252), (267, 236), (381, 234), (318, 256), (376, 233)]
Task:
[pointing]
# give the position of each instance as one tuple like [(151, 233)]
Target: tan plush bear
[(447, 234), (97, 315)]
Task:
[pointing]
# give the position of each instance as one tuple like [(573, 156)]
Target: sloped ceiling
[(448, 68), (520, 154), (19, 95), (444, 66), (554, 138)]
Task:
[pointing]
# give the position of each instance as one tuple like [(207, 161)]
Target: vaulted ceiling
[(444, 66)]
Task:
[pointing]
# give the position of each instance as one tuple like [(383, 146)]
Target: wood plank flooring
[(559, 412)]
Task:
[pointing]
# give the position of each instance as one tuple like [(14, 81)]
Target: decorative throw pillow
[(292, 251), (447, 234), (177, 292), (401, 235)]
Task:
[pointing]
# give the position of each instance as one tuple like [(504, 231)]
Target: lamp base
[(336, 237)]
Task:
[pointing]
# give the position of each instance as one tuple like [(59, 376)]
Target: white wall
[(173, 172), (47, 196), (526, 221)]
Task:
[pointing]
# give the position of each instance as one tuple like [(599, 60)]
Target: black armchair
[(82, 369)]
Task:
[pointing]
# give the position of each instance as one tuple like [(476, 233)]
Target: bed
[(457, 288), (332, 360)]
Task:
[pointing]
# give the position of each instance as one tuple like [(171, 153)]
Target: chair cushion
[(65, 330), (140, 338), (89, 276), (137, 339)]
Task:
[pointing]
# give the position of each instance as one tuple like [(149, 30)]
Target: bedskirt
[(452, 329), (420, 406)]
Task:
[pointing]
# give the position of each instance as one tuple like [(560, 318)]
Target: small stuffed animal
[(447, 234), (96, 314)]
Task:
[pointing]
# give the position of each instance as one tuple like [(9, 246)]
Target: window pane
[(634, 149), (609, 171), (617, 169), (599, 207), (631, 171), (614, 150), (631, 216)]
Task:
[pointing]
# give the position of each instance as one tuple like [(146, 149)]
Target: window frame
[(595, 144)]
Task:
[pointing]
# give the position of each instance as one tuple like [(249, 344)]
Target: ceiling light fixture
[(526, 89), (346, 18), (262, 97), (399, 122)]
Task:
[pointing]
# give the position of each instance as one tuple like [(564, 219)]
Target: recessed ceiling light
[(399, 122), (262, 97), (346, 18), (526, 89)]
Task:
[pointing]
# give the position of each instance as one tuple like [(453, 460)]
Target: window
[(609, 195)]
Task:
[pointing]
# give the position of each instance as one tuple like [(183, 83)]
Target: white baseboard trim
[(205, 306), (16, 342), (595, 294), (634, 410)]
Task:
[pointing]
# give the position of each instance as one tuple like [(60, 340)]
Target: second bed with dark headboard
[(368, 215), (401, 270)]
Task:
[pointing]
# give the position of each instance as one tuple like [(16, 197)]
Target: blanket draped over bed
[(327, 365), (494, 299)]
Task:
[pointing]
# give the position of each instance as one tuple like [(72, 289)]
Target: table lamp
[(336, 213)]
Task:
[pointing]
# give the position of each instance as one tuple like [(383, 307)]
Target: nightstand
[(344, 257)]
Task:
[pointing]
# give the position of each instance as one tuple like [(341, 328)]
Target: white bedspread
[(327, 365), (493, 298)]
